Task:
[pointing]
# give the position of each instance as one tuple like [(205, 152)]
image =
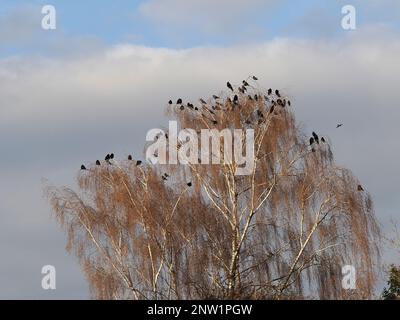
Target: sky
[(101, 79)]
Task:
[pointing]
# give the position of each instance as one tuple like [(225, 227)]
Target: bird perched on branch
[(228, 84), (129, 157), (179, 101), (311, 141), (189, 184), (138, 163), (97, 162), (255, 78), (269, 91), (316, 138), (83, 167), (360, 188), (277, 93)]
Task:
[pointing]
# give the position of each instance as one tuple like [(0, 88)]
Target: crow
[(323, 139), (269, 91), (129, 157), (228, 84), (112, 156), (97, 162), (235, 99), (256, 97), (83, 167), (138, 163), (255, 78), (170, 102), (311, 141), (215, 97), (315, 137), (277, 93), (360, 188), (245, 83), (107, 157), (202, 101), (339, 125), (179, 101), (189, 184), (289, 103), (182, 107)]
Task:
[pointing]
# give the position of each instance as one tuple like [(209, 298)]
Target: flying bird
[(360, 188), (339, 125), (228, 84), (97, 162), (83, 167)]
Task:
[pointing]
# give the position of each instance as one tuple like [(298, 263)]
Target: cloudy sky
[(100, 80)]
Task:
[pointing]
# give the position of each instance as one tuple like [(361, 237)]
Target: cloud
[(58, 113)]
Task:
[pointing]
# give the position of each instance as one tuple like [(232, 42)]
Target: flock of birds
[(243, 88)]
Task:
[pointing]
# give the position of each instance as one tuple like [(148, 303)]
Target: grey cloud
[(58, 113)]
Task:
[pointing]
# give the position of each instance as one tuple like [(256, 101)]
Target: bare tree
[(283, 231)]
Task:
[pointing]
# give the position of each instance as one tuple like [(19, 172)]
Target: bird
[(83, 167), (245, 83), (311, 141), (339, 125), (255, 78), (138, 163), (170, 102), (277, 93), (189, 184), (112, 156), (315, 137), (250, 97), (164, 178), (228, 84), (269, 91), (323, 139), (129, 157), (97, 162), (107, 157), (235, 99), (179, 101), (182, 107), (360, 188), (203, 101), (214, 122), (215, 97), (289, 103), (256, 97)]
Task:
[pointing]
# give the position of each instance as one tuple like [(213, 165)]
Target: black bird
[(228, 84), (245, 83), (277, 93), (138, 163), (179, 101), (83, 167), (215, 97), (170, 102), (214, 122), (255, 78), (339, 125), (315, 137), (256, 97), (97, 162), (360, 188), (279, 102), (289, 103), (164, 178), (182, 107), (112, 156), (250, 97), (202, 101), (311, 141), (189, 184), (269, 91), (235, 99), (323, 139), (107, 157), (129, 157)]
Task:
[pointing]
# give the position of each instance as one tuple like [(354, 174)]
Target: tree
[(392, 292), (283, 231)]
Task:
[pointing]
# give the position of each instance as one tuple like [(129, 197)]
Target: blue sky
[(128, 21), (100, 81)]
